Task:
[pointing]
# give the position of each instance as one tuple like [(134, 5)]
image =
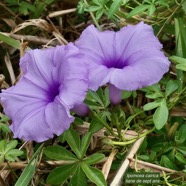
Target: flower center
[(115, 63), (53, 91)]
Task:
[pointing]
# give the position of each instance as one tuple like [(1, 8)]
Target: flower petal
[(21, 99), (128, 59), (37, 66), (32, 127), (73, 74), (98, 75), (98, 45), (144, 73), (58, 118), (73, 92), (134, 38), (69, 63)]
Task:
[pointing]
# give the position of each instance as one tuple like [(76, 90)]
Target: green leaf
[(29, 170), (94, 158), (97, 2), (10, 41), (161, 115), (85, 141), (60, 174), (144, 157), (94, 8), (27, 174), (73, 139), (181, 134), (165, 161), (151, 105), (178, 60), (96, 97), (99, 13), (126, 94), (151, 9), (171, 87), (79, 178), (114, 7), (94, 175), (181, 67), (4, 118), (11, 145), (180, 33), (2, 146), (15, 152), (58, 153), (180, 38), (95, 126), (180, 158), (154, 95), (181, 149), (5, 127), (138, 10)]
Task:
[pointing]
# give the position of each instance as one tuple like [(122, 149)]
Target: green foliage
[(160, 103), (34, 10), (10, 41), (149, 7), (95, 175), (8, 151), (79, 168), (29, 170), (165, 144), (3, 124)]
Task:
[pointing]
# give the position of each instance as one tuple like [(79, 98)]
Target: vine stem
[(104, 124), (117, 179), (93, 18), (121, 143)]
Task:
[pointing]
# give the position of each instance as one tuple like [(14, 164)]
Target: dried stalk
[(145, 165), (10, 68), (34, 39), (22, 165), (107, 165), (155, 168), (177, 111), (129, 134), (117, 179), (61, 12), (2, 78)]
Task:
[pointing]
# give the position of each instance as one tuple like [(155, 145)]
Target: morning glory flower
[(54, 81), (127, 60)]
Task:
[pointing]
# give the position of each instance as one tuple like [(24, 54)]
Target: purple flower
[(128, 59), (53, 82)]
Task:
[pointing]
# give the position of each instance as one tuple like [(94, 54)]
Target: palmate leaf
[(58, 153), (85, 141), (94, 175), (12, 154), (165, 161), (180, 158), (60, 174), (73, 139), (94, 158), (114, 7), (138, 10), (79, 178)]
